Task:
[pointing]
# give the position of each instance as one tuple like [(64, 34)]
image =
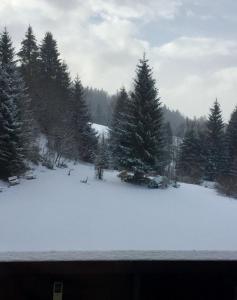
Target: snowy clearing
[(56, 212)]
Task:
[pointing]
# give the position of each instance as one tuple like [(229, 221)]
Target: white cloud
[(100, 40), (130, 9), (194, 71), (188, 48)]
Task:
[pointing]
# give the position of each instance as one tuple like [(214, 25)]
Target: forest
[(39, 98)]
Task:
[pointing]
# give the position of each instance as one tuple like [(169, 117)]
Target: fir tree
[(29, 56), (231, 134), (11, 134), (84, 135), (190, 161), (144, 128), (118, 128), (29, 68), (15, 112), (6, 50), (49, 57), (228, 179), (215, 139), (54, 90)]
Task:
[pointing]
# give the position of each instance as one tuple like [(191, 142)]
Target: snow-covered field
[(56, 212)]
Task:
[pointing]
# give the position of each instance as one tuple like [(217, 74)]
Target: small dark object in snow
[(69, 172), (84, 180), (175, 184), (13, 180)]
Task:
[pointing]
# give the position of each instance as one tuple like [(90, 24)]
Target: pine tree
[(215, 139), (84, 135), (118, 127), (144, 129), (190, 161)]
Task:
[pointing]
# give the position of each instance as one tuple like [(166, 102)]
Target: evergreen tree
[(84, 135), (15, 112), (232, 139), (29, 68), (144, 148), (215, 139), (101, 160), (29, 56), (54, 91), (118, 127), (228, 179), (168, 139), (190, 161), (168, 151), (11, 134), (6, 51), (12, 96)]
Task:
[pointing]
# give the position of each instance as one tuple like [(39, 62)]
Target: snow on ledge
[(118, 256)]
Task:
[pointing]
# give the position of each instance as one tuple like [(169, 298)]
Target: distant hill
[(101, 105)]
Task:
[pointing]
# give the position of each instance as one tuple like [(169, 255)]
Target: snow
[(100, 129), (58, 213)]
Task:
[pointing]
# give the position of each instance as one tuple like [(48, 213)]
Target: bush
[(152, 182), (227, 185)]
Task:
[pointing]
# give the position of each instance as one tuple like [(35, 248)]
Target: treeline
[(209, 152)]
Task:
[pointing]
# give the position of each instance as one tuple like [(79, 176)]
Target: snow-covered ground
[(56, 212)]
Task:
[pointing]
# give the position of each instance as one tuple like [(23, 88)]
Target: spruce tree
[(29, 56), (190, 166), (84, 135), (11, 134), (19, 114), (29, 68), (118, 128), (54, 90), (6, 51), (12, 95), (144, 129), (228, 179), (215, 139)]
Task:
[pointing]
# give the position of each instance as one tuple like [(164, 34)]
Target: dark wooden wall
[(148, 280)]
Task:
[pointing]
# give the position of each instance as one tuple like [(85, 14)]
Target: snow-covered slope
[(57, 212), (100, 129)]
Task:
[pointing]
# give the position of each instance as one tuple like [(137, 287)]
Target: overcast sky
[(191, 44)]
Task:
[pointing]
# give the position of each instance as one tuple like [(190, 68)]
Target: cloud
[(140, 9), (192, 72), (101, 40)]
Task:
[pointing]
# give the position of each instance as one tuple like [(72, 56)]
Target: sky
[(191, 44)]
